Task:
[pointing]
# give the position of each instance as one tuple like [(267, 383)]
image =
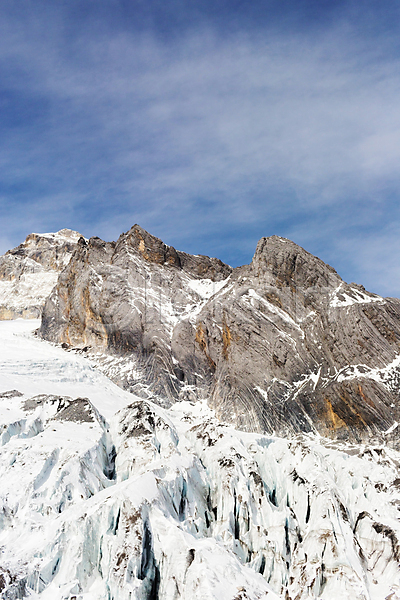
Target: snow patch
[(206, 288), (350, 296)]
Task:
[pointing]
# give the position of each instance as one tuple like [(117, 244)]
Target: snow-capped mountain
[(146, 490), (29, 272)]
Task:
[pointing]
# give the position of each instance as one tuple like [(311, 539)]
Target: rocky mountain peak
[(285, 264), (282, 344), (149, 247), (29, 272), (154, 251), (51, 250)]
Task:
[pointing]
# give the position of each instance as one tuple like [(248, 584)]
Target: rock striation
[(29, 272), (282, 345)]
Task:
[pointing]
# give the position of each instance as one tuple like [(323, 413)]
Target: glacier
[(105, 495)]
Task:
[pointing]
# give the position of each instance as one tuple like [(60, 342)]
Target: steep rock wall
[(280, 345)]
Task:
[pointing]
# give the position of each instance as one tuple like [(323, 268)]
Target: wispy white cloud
[(208, 141)]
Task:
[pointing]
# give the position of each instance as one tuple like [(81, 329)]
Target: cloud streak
[(209, 141)]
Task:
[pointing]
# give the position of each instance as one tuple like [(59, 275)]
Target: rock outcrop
[(29, 272), (281, 345)]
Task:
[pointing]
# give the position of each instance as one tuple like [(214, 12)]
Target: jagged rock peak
[(282, 344), (62, 234), (29, 272), (292, 266), (51, 250), (150, 247), (154, 250)]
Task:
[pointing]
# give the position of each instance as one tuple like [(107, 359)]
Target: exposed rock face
[(282, 344), (133, 297), (297, 348), (29, 272)]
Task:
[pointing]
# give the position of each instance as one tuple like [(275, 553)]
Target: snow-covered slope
[(107, 496), (29, 272)]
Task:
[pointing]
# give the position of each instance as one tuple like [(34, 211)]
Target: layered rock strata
[(281, 345)]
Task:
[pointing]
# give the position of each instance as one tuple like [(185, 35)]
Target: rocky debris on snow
[(11, 394), (281, 345), (65, 409), (29, 272)]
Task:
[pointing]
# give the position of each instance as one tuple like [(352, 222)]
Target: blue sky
[(209, 123)]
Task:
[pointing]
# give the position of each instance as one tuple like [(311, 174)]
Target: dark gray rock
[(11, 394), (79, 410), (64, 408)]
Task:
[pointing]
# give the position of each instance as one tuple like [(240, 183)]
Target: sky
[(210, 123)]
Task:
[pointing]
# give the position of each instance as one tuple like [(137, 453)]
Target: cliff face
[(282, 344), (300, 349), (29, 272)]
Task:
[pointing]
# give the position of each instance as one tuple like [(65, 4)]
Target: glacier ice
[(105, 495)]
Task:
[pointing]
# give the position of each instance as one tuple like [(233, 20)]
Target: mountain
[(249, 450), (282, 345), (29, 272), (106, 496)]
